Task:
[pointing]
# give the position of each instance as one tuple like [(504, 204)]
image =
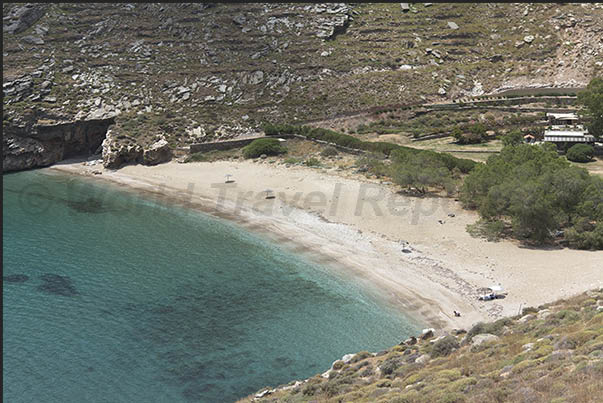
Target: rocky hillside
[(174, 74), (553, 353)]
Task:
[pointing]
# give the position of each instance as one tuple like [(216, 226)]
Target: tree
[(580, 153), (477, 134), (513, 138), (457, 133), (263, 146), (592, 99), (421, 170)]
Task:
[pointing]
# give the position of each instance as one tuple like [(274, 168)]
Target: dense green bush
[(476, 134), (195, 157), (312, 162), (445, 346), (580, 153), (420, 170), (263, 146), (329, 152), (491, 230), (513, 138), (592, 239), (390, 365)]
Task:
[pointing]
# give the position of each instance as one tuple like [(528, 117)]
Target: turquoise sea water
[(110, 297)]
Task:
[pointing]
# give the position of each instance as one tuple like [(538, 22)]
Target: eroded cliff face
[(32, 143)]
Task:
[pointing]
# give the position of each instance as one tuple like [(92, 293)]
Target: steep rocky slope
[(184, 73), (553, 353)]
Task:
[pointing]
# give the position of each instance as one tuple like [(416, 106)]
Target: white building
[(564, 128)]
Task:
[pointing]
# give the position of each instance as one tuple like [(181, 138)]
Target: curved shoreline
[(323, 216)]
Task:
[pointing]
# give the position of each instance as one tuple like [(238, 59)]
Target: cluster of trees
[(538, 193)]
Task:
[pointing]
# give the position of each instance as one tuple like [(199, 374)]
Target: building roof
[(565, 133), (568, 136), (562, 116)]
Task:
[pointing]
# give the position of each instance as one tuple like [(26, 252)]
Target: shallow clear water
[(122, 299)]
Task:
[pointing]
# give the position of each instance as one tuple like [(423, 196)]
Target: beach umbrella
[(228, 176), (269, 193)]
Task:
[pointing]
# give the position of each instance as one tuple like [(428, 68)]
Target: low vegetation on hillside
[(553, 353)]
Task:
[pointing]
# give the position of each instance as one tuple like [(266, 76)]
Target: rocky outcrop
[(119, 150), (116, 153), (157, 153), (32, 143), (22, 17)]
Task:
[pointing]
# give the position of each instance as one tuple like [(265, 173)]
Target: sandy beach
[(361, 228)]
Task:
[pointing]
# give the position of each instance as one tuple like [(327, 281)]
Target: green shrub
[(492, 328), (360, 356), (312, 162), (195, 157), (514, 137), (580, 153), (445, 346), (390, 365), (583, 239), (491, 230), (292, 160), (263, 146), (329, 152)]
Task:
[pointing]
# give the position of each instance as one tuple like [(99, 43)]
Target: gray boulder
[(115, 154), (157, 153), (22, 17), (480, 339), (33, 40)]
